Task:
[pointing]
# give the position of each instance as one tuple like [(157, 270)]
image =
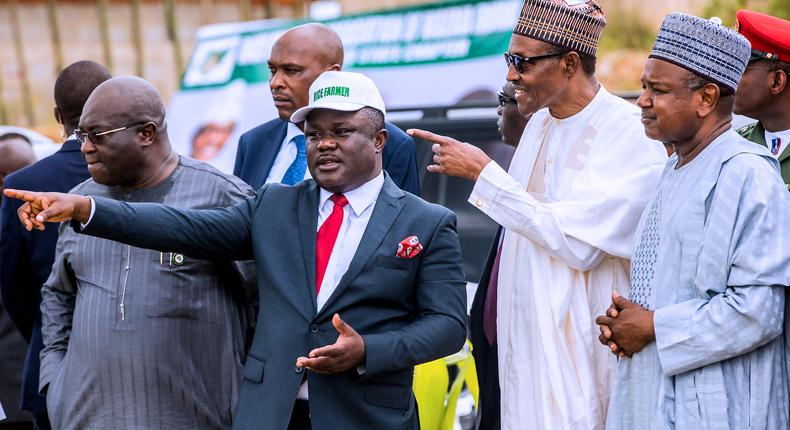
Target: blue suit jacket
[(26, 257), (259, 147), (408, 311)]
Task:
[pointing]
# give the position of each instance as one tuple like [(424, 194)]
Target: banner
[(432, 55)]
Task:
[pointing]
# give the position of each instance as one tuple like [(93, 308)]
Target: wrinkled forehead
[(661, 71)]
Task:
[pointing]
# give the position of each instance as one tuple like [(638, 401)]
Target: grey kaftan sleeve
[(58, 297), (740, 306)]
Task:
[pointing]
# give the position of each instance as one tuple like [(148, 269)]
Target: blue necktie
[(295, 172)]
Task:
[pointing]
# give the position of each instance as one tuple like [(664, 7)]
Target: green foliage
[(780, 8), (626, 30), (725, 9)]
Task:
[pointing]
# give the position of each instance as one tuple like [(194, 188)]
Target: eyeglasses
[(505, 99), (82, 136), (518, 62)]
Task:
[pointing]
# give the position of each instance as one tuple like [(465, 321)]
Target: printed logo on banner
[(213, 62)]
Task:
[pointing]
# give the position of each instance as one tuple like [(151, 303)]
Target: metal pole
[(104, 31), (137, 40), (57, 48), (172, 34), (245, 10), (27, 100)]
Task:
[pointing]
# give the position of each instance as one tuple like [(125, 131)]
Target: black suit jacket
[(259, 147), (26, 257), (488, 415), (409, 311)]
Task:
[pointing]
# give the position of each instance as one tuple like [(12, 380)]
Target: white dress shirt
[(286, 156), (784, 138), (356, 215)]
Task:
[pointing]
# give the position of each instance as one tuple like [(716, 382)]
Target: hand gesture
[(453, 158), (40, 208), (606, 333), (631, 329), (348, 351)]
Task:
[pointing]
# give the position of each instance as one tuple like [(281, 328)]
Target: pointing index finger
[(427, 135), (20, 195)]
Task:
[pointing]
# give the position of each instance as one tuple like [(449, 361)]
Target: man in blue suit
[(26, 259), (275, 151), (386, 261)]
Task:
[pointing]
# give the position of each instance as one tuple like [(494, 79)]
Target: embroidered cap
[(344, 91), (703, 47), (571, 24)]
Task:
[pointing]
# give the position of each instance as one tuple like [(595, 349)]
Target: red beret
[(766, 33)]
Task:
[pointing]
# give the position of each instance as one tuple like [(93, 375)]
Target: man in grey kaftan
[(712, 260), (700, 339), (133, 338)]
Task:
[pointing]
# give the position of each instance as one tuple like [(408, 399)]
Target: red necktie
[(326, 237)]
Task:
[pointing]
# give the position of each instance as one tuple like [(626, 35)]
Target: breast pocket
[(395, 262), (182, 287)]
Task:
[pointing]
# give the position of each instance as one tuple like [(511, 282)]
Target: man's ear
[(708, 98), (779, 82), (334, 68), (148, 133), (570, 63), (380, 139)]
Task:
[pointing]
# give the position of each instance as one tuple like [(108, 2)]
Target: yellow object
[(431, 380)]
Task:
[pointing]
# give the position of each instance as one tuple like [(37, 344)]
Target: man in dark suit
[(274, 151), (387, 261), (26, 259)]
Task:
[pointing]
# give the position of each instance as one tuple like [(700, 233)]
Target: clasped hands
[(626, 328), (347, 352)]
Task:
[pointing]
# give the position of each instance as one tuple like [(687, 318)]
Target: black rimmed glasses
[(505, 99), (82, 136), (518, 62)]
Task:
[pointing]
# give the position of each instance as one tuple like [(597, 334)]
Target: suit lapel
[(388, 205), (269, 147), (308, 220)]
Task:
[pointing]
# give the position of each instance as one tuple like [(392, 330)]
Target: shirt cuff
[(488, 183), (93, 210)]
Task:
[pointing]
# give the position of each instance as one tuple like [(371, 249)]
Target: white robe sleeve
[(503, 199)]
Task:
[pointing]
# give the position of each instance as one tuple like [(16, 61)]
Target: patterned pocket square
[(409, 247)]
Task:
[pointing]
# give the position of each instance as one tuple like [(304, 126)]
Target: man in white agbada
[(700, 335), (569, 205)]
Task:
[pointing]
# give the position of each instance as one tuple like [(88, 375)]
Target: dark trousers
[(300, 417)]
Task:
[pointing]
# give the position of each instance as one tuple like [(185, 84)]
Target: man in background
[(764, 90), (275, 151), (510, 122), (26, 259), (15, 153)]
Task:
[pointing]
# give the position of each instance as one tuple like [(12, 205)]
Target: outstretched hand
[(347, 352), (631, 329), (452, 157), (40, 208)]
